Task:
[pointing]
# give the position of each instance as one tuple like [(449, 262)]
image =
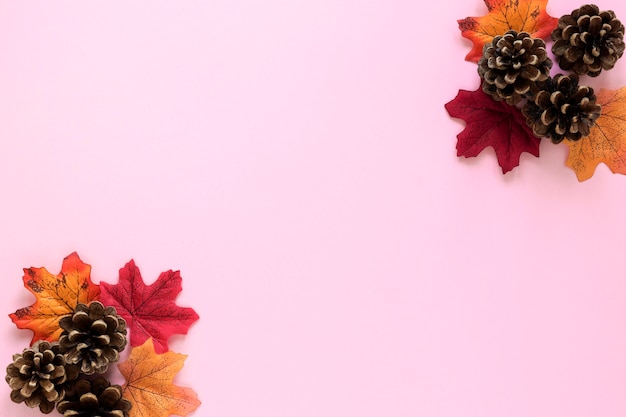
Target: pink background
[(294, 160)]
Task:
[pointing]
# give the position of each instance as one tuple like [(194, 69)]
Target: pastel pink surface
[(293, 159)]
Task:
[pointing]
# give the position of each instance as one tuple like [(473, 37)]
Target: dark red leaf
[(150, 311), (492, 123)]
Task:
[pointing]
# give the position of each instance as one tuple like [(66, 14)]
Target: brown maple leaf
[(606, 141), (57, 295), (149, 383), (519, 15)]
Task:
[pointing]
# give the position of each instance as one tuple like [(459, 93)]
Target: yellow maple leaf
[(519, 15), (56, 296), (606, 141), (149, 383)]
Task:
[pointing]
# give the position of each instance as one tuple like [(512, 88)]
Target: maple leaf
[(150, 311), (56, 296), (492, 123), (519, 15), (606, 141), (149, 383)]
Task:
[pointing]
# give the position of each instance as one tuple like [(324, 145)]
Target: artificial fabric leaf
[(149, 383), (492, 123), (606, 141), (519, 15), (56, 296), (149, 310)]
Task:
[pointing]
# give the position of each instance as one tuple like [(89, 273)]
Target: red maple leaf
[(492, 123), (149, 310)]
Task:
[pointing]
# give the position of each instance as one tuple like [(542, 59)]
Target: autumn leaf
[(149, 383), (519, 15), (492, 123), (56, 296), (606, 141), (150, 311)]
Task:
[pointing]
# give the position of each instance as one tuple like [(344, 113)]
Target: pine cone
[(562, 109), (92, 337), (512, 64), (39, 376), (95, 398), (588, 40)]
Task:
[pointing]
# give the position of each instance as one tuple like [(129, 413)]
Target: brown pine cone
[(512, 65), (588, 40), (92, 337), (39, 376), (562, 109), (95, 398)]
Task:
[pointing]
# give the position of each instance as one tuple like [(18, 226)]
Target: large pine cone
[(92, 337), (588, 40), (562, 109), (512, 65), (95, 398), (39, 376)]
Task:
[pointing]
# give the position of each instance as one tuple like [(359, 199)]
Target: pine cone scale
[(102, 340), (531, 73), (595, 25), (111, 355), (46, 385), (117, 340), (522, 88), (29, 388), (89, 400), (548, 116), (99, 326), (32, 402)]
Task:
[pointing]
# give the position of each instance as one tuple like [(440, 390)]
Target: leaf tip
[(73, 255), (466, 25)]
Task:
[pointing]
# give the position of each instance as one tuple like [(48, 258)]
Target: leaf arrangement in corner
[(529, 103), (79, 329)]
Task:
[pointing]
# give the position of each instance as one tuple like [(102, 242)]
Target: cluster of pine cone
[(516, 67), (68, 374)]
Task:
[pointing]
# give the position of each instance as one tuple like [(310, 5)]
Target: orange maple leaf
[(57, 295), (519, 15), (149, 385), (606, 141)]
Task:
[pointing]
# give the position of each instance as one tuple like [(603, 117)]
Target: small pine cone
[(93, 336), (39, 376), (512, 65), (95, 398), (588, 40), (562, 109)]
